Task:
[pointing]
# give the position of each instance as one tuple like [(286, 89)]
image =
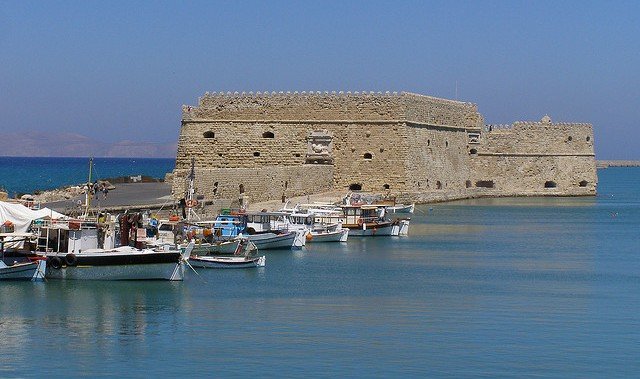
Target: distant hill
[(43, 144)]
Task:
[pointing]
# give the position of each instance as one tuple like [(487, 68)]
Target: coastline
[(616, 163)]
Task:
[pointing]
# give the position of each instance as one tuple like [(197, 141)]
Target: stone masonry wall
[(413, 146), (537, 158), (259, 184)]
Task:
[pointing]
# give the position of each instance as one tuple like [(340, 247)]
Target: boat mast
[(191, 191), (88, 192)]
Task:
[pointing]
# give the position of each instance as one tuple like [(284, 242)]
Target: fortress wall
[(260, 184), (437, 159), (297, 106), (521, 159), (540, 138), (397, 144), (441, 112), (527, 175)]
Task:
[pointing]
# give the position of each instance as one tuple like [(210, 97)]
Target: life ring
[(71, 259), (192, 203), (55, 262)]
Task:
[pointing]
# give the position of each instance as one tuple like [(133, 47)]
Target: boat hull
[(337, 236), (273, 241), (371, 230), (20, 271), (117, 266), (226, 262)]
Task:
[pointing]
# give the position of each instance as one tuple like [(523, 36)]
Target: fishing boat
[(401, 208), (226, 262), (15, 265), (19, 271), (366, 221), (86, 250), (231, 226), (243, 257)]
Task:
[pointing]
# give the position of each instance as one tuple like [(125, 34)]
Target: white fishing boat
[(401, 208), (121, 263), (85, 250), (366, 221), (335, 233), (273, 240), (226, 261)]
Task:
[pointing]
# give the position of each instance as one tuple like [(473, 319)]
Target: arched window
[(438, 185), (241, 188), (550, 184), (355, 187), (209, 134), (583, 183), (267, 135), (368, 156)]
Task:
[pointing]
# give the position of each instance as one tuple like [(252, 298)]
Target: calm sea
[(25, 175), (528, 287)]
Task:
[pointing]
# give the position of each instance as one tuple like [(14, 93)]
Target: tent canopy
[(22, 217)]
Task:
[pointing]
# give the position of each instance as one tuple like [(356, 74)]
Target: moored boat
[(121, 263), (226, 261)]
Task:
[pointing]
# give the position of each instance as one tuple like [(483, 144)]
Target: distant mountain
[(42, 144)]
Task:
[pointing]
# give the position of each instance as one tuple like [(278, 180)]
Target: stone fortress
[(264, 146)]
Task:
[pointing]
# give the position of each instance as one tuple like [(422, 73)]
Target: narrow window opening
[(467, 184), (241, 188), (473, 152), (355, 187), (256, 153), (209, 134), (485, 184), (438, 185), (569, 138), (386, 186), (588, 138), (297, 155), (368, 156), (267, 135), (550, 184), (583, 183)]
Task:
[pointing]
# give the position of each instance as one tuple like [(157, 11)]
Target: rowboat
[(226, 261)]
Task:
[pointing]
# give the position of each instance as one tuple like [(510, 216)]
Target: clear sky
[(116, 70)]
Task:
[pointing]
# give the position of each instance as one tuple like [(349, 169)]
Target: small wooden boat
[(15, 265), (19, 271), (338, 235), (226, 262)]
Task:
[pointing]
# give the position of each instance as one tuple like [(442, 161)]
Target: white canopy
[(22, 217)]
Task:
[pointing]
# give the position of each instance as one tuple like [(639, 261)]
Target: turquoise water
[(25, 175), (487, 288)]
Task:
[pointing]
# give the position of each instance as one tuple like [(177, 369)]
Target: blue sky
[(121, 70)]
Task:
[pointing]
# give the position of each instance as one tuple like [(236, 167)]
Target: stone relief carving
[(319, 147)]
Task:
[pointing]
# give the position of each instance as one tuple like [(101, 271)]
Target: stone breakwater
[(264, 146)]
